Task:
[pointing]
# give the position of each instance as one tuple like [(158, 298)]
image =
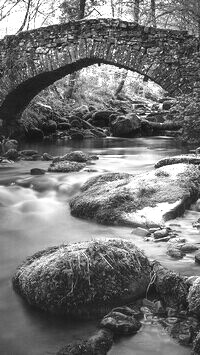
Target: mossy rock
[(194, 297), (144, 200), (178, 159), (84, 279), (65, 167)]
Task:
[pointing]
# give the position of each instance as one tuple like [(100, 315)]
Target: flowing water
[(34, 214)]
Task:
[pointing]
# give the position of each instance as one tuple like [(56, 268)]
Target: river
[(35, 214)]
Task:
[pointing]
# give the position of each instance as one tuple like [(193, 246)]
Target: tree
[(136, 10), (153, 13)]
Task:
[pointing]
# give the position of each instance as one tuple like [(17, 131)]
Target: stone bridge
[(32, 60)]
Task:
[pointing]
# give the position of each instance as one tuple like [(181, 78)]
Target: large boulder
[(124, 126), (84, 279), (101, 118), (147, 200), (49, 127), (194, 297)]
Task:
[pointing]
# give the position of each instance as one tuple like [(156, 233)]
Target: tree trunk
[(122, 82), (73, 77), (136, 10), (153, 13), (81, 9), (71, 86)]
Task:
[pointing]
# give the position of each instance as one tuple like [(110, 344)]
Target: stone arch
[(33, 60)]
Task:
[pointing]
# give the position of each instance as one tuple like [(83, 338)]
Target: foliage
[(187, 112)]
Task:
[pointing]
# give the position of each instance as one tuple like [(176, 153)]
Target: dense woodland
[(98, 85)]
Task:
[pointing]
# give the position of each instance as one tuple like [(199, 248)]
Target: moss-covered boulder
[(84, 279), (65, 167), (178, 159), (98, 344), (76, 155), (194, 297), (125, 126), (171, 287), (146, 200)]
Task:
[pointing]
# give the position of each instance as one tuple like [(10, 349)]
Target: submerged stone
[(84, 279), (145, 200)]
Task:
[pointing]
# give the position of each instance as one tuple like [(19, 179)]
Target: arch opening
[(18, 99)]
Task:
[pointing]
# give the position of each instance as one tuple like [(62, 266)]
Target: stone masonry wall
[(32, 60)]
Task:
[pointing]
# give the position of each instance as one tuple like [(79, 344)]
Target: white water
[(37, 216)]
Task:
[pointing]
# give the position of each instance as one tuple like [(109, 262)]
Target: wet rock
[(171, 287), (143, 232), (186, 158), (101, 118), (76, 155), (10, 144), (65, 167), (98, 133), (11, 154), (49, 127), (196, 224), (161, 233), (76, 135), (168, 104), (34, 134), (196, 345), (84, 279), (183, 330), (188, 247), (197, 258), (28, 152), (5, 161), (174, 250), (190, 280), (132, 312), (98, 344), (194, 297), (76, 124), (145, 200), (64, 126), (30, 155), (120, 324), (37, 171), (124, 126), (156, 117), (47, 157), (88, 134)]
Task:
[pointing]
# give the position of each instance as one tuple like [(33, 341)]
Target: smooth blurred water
[(35, 217)]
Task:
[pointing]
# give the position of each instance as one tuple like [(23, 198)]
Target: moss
[(108, 198), (79, 278)]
